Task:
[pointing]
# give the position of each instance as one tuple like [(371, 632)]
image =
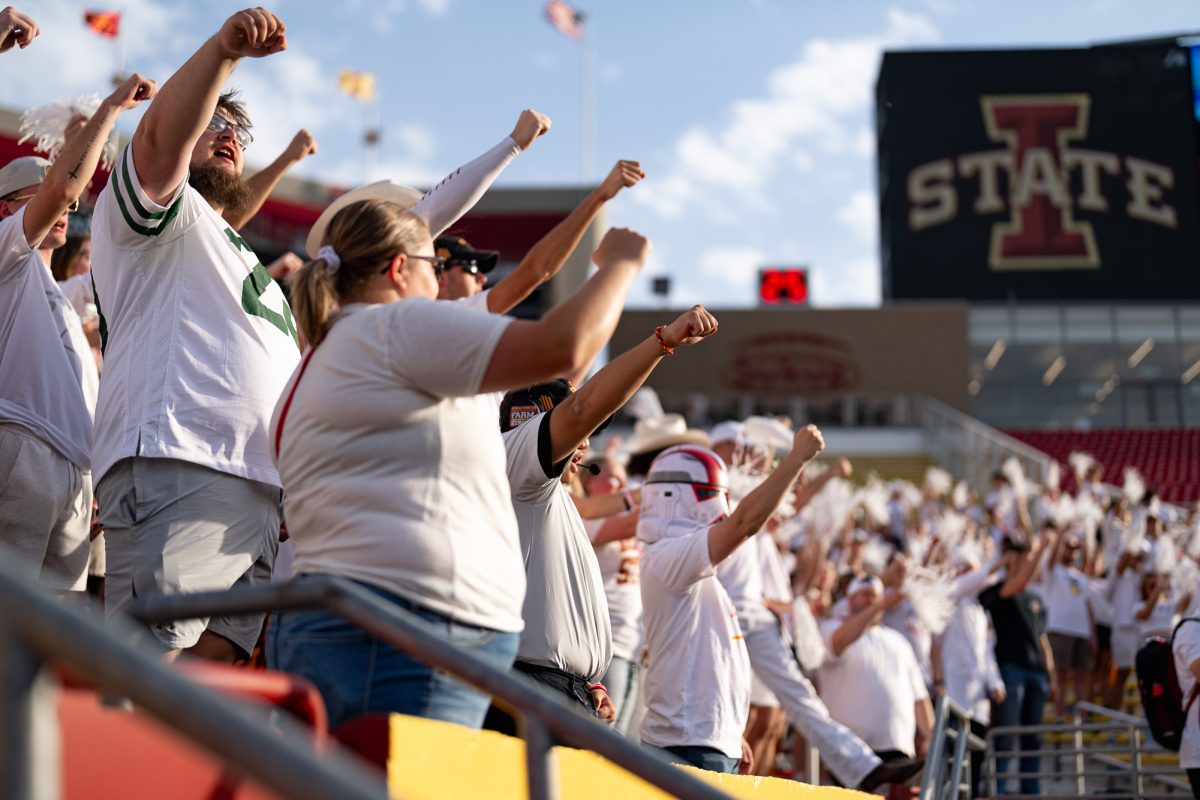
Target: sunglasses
[(72, 208), (469, 267), (219, 124), (437, 262)]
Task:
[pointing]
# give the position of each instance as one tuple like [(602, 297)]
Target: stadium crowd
[(371, 413)]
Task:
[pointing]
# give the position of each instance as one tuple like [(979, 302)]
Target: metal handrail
[(541, 713), (35, 630), (972, 449), (938, 786), (1079, 754)]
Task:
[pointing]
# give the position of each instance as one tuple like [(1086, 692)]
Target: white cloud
[(729, 273), (860, 213), (854, 282), (816, 101)]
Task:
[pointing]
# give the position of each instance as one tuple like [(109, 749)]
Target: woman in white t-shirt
[(391, 460)]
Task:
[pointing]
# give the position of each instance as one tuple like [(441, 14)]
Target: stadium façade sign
[(1053, 175)]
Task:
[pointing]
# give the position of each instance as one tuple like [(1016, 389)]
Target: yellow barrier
[(432, 760)]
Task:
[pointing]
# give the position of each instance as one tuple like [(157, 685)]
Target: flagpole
[(587, 104), (118, 76), (371, 136)]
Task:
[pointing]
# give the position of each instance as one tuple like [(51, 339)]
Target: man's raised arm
[(546, 258), (263, 182), (162, 145), (75, 165)]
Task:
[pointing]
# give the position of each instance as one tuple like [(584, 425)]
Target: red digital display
[(783, 286)]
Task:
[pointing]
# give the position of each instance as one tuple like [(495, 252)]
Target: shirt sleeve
[(915, 679), (132, 219), (477, 301), (531, 476), (680, 561), (458, 192), (13, 247), (1187, 643), (439, 347)]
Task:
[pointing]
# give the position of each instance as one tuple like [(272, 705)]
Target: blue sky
[(752, 118)]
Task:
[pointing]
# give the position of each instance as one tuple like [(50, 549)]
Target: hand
[(842, 468), (252, 33), (132, 91), (622, 175), (781, 610), (16, 29), (808, 442), (621, 244), (892, 599), (283, 531), (998, 695), (605, 709), (746, 765), (303, 144), (285, 265), (690, 327), (1053, 693), (530, 125), (939, 689)]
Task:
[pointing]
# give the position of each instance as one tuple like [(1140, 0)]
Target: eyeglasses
[(469, 267), (437, 262), (72, 208), (219, 124)]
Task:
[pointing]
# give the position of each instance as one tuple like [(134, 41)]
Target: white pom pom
[(873, 497), (1054, 476), (806, 636), (938, 481), (1016, 477), (876, 554), (644, 405), (961, 496), (930, 595), (47, 125), (1134, 488), (1080, 464)]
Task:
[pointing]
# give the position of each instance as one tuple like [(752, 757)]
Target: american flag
[(565, 18)]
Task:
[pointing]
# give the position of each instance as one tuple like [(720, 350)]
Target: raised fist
[(691, 327), (303, 144), (16, 29), (133, 90), (622, 175), (530, 125), (252, 33), (622, 244), (808, 442)]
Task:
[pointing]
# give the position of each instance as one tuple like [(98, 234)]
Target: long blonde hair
[(364, 235)]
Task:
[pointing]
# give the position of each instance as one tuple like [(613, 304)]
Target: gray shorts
[(1070, 652), (173, 527), (45, 510)]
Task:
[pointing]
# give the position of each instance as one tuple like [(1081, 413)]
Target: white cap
[(728, 431), (21, 173)]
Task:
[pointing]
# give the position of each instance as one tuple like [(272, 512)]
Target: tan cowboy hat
[(391, 191), (661, 432)]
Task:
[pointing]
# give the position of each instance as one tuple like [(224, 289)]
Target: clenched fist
[(690, 327), (530, 125), (622, 244), (252, 33), (623, 175), (808, 442)]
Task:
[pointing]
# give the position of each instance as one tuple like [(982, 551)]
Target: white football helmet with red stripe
[(686, 488)]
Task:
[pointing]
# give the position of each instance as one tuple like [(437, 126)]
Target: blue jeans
[(1025, 701), (702, 757), (623, 681), (357, 674)]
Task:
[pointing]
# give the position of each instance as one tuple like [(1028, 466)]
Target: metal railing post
[(814, 766), (960, 752), (29, 752), (1080, 765), (541, 772), (932, 778)]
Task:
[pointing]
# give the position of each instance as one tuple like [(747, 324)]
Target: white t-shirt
[(48, 378), (198, 339), (697, 682), (78, 290), (624, 595), (1186, 650), (1124, 591), (565, 611), (393, 466), (873, 686), (742, 576), (1066, 594), (968, 658), (1161, 621)]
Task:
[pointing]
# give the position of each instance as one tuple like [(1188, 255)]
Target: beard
[(219, 188)]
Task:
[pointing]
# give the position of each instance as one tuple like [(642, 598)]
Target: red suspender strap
[(287, 404)]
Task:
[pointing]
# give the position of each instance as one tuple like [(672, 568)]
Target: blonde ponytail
[(364, 235)]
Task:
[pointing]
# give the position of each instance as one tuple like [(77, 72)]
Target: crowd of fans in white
[(700, 591)]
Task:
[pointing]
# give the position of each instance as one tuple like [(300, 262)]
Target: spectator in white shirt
[(697, 679), (567, 641), (1070, 623), (871, 681), (1124, 588), (386, 440)]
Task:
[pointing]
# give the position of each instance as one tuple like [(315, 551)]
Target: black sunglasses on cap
[(469, 267)]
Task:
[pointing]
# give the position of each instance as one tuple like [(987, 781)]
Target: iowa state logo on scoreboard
[(1041, 176)]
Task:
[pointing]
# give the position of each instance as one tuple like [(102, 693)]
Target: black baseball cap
[(457, 250), (522, 405)]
